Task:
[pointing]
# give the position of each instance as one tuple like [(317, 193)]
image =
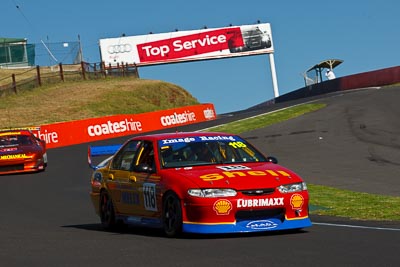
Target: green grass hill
[(75, 100)]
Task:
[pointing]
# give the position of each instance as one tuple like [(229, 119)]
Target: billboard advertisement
[(180, 46)]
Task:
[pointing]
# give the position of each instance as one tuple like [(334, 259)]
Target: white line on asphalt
[(357, 226)]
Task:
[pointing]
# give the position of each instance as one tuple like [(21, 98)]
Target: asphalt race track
[(46, 219), (354, 143)]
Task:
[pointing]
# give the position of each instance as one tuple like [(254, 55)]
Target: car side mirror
[(143, 167), (272, 160)]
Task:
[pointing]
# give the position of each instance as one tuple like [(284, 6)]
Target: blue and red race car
[(21, 151), (196, 183)]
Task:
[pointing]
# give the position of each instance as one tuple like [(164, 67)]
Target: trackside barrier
[(361, 80), (90, 130)]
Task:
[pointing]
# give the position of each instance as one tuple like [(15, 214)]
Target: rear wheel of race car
[(172, 215), (107, 214)]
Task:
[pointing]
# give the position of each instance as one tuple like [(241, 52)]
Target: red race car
[(198, 183), (21, 151)]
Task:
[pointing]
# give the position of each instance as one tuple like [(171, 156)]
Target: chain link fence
[(50, 54), (21, 54)]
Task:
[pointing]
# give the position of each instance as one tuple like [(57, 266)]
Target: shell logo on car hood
[(240, 171), (237, 176)]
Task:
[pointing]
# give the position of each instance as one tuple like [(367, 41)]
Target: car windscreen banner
[(187, 45)]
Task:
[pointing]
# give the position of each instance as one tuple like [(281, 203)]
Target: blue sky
[(366, 35)]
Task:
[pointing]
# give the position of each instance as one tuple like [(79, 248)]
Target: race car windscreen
[(204, 150), (13, 139)]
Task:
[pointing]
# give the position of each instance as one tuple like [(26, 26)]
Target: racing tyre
[(107, 214), (172, 215)]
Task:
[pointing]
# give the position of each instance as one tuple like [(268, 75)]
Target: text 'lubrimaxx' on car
[(204, 183)]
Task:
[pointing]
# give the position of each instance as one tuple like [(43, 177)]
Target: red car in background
[(21, 151)]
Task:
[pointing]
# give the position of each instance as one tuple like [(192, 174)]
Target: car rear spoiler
[(96, 151)]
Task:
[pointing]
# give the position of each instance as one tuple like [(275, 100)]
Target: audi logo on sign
[(120, 48)]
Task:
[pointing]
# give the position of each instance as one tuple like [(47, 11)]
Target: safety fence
[(38, 76)]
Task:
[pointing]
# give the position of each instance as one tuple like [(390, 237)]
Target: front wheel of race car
[(107, 214), (172, 215)]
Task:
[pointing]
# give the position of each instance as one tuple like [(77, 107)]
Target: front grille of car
[(258, 192), (18, 167), (260, 214)]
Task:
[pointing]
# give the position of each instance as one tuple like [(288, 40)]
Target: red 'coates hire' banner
[(90, 130)]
